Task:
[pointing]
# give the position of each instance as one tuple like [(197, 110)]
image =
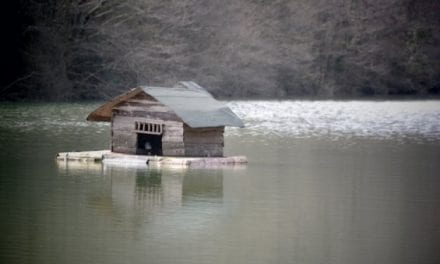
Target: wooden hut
[(184, 120)]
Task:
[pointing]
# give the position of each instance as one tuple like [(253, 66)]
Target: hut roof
[(193, 104)]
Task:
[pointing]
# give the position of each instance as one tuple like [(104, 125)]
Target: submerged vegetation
[(94, 49)]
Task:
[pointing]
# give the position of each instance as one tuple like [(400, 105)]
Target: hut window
[(148, 128)]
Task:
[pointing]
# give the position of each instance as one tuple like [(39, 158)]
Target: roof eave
[(104, 112)]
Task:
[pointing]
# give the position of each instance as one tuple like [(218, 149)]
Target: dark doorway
[(149, 144)]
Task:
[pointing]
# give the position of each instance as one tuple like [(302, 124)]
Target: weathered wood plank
[(173, 124), (174, 160), (216, 161), (204, 150), (172, 138), (177, 138), (203, 153), (127, 123), (125, 150), (173, 128), (172, 133), (142, 108), (204, 140), (191, 134), (203, 129), (203, 136), (172, 145), (200, 146), (96, 155), (174, 152), (121, 140), (153, 115)]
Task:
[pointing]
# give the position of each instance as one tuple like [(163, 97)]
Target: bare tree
[(89, 49)]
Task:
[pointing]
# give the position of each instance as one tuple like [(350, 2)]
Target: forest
[(70, 50)]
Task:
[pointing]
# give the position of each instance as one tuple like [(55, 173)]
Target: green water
[(301, 199)]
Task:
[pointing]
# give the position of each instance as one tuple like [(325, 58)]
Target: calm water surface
[(327, 182)]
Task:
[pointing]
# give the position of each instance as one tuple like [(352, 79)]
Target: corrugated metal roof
[(194, 105)]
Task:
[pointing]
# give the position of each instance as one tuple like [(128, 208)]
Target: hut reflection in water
[(141, 188)]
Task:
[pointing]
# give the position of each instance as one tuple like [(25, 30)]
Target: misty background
[(94, 49)]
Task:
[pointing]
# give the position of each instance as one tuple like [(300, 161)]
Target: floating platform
[(106, 156), (85, 156)]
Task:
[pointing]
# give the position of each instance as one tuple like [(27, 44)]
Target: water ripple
[(303, 119), (335, 119)]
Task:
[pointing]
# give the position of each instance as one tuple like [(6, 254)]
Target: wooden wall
[(144, 108), (203, 142), (177, 139), (172, 139), (123, 138)]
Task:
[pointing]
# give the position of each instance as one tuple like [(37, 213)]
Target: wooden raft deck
[(107, 156), (96, 155)]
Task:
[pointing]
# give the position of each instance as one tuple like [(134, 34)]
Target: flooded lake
[(327, 182)]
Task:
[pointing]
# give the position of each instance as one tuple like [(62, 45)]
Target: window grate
[(148, 128)]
